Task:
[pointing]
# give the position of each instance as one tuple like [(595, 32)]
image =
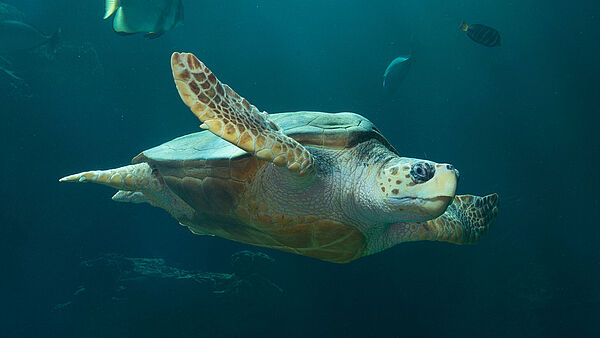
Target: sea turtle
[(324, 185)]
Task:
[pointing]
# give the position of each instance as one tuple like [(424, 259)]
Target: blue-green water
[(520, 120)]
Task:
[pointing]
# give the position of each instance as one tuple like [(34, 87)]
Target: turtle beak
[(442, 184)]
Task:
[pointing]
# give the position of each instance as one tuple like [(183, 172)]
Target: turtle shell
[(212, 176), (317, 129)]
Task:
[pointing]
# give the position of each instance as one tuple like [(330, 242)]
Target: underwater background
[(520, 120)]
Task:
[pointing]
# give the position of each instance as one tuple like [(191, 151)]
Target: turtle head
[(416, 190)]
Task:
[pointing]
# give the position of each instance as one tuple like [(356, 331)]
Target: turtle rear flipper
[(231, 117), (134, 177), (465, 221)]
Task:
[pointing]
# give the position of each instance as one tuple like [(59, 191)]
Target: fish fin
[(10, 73), (110, 7), (119, 24), (464, 26), (153, 35)]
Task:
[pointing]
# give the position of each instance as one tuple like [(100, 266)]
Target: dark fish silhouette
[(396, 72), (18, 36), (482, 34)]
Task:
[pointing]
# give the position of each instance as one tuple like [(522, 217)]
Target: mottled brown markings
[(212, 79), (214, 100), (260, 142), (395, 191), (394, 171), (407, 175), (280, 160), (176, 58), (194, 87), (230, 129), (184, 75), (191, 60), (246, 104), (220, 90), (276, 149), (398, 182), (245, 139), (200, 77), (383, 189), (203, 98), (210, 92)]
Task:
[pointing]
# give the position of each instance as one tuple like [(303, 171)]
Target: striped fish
[(153, 17), (482, 34)]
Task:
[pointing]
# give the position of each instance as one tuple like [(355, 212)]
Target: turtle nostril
[(449, 167)]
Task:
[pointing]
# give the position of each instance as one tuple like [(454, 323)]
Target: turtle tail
[(135, 177)]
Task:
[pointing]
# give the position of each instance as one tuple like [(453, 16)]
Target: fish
[(153, 17), (10, 73), (482, 34), (396, 71), (19, 36)]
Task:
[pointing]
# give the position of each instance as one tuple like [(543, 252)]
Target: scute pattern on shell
[(233, 118)]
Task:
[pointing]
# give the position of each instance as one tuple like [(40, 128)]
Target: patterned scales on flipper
[(233, 118), (464, 222)]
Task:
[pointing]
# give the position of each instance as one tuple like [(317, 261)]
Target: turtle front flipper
[(464, 222), (231, 117)]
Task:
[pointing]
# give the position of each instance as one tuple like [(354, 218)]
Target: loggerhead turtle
[(323, 185)]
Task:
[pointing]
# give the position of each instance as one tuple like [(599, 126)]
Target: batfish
[(153, 17), (396, 72), (18, 36), (482, 34)]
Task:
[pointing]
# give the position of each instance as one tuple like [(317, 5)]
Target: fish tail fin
[(464, 26), (110, 6)]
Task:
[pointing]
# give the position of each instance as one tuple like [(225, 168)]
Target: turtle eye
[(422, 172)]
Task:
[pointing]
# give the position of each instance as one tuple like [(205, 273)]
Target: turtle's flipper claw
[(82, 177)]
